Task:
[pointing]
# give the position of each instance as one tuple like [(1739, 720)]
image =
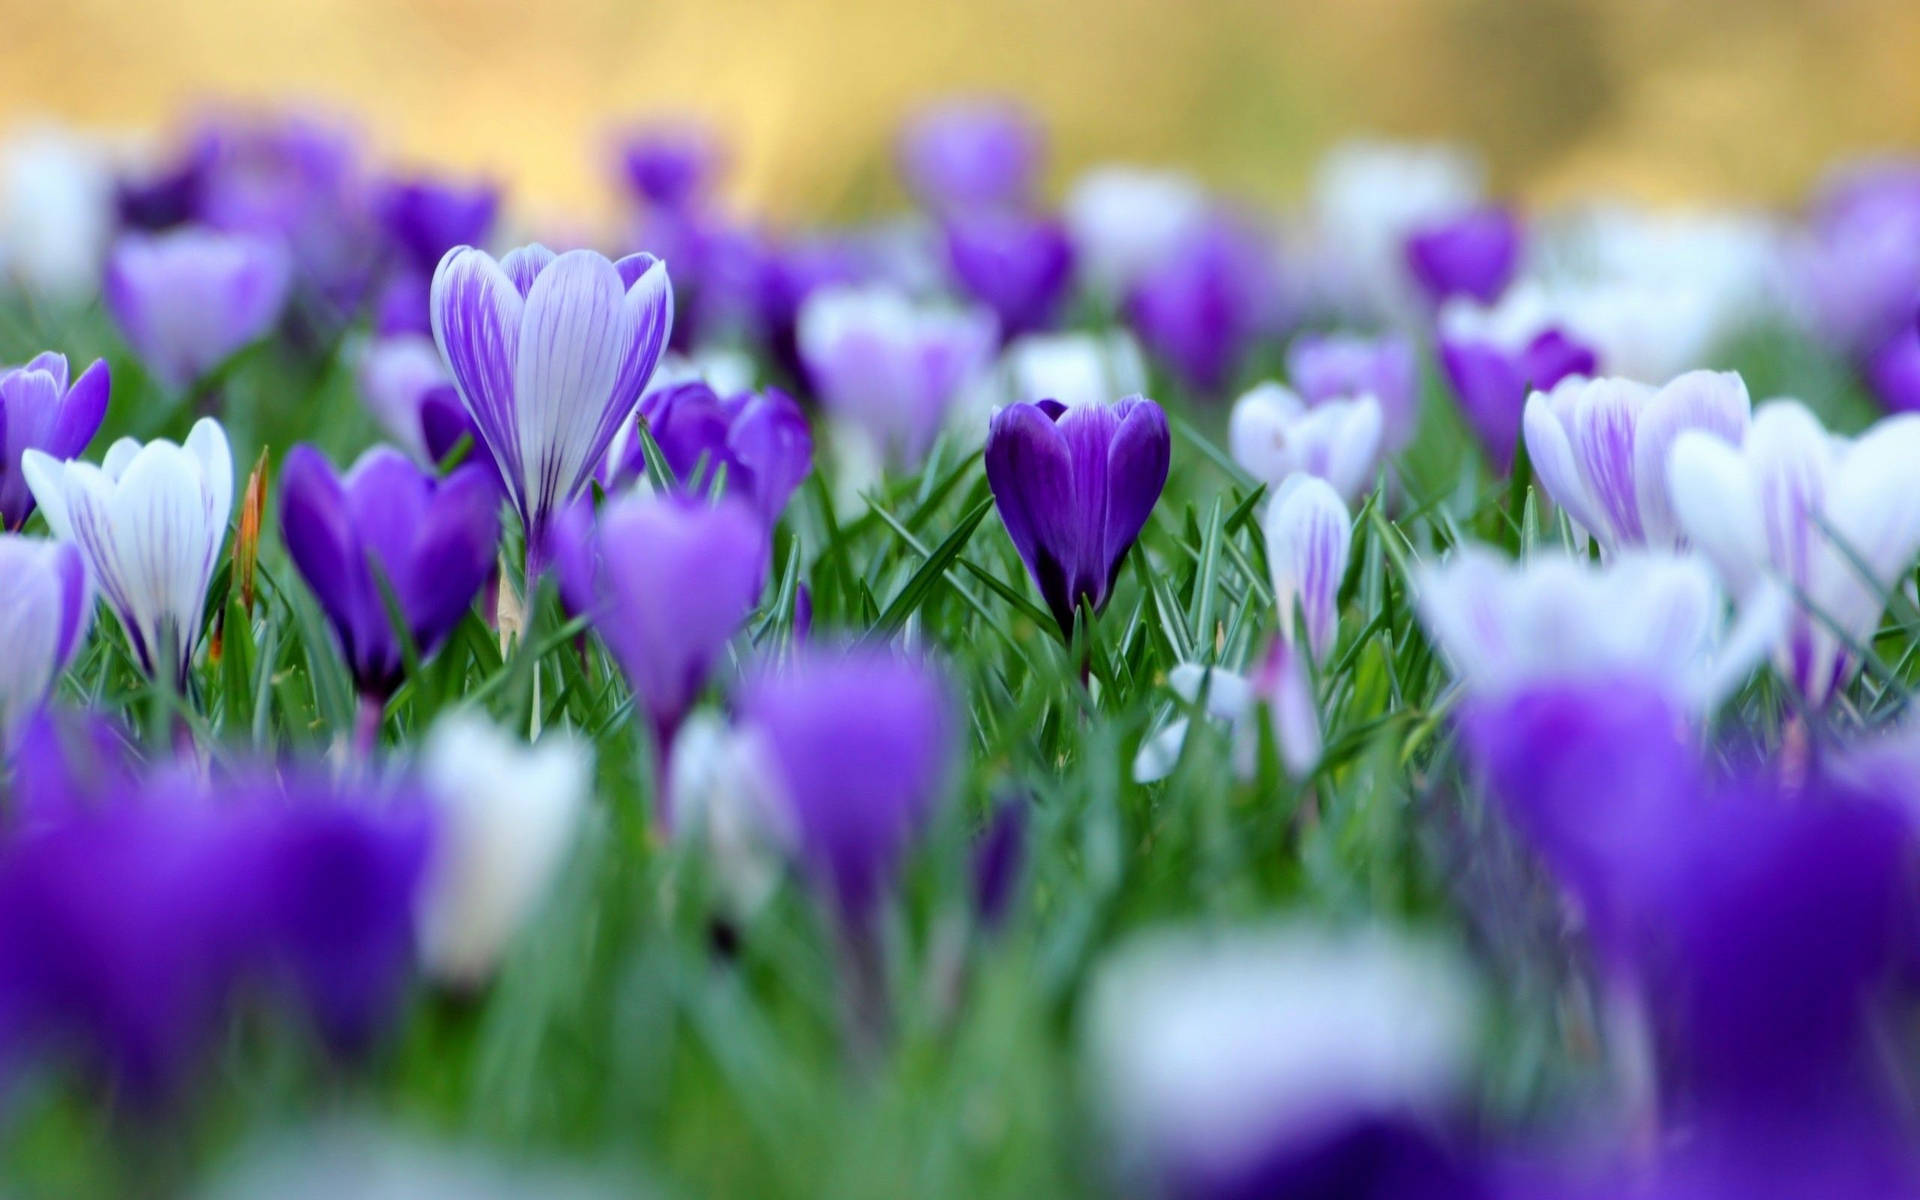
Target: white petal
[(1713, 402), (574, 334), (1716, 502), (1160, 753), (1550, 450), (207, 443), (1259, 433)]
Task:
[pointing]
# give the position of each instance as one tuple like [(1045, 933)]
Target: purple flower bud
[(423, 217), (1473, 255), (1074, 487), (972, 154), (673, 580), (550, 354), (1492, 382), (860, 741), (46, 605), (388, 528), (1019, 266), (762, 440), (186, 301), (1341, 366), (671, 165), (998, 856), (1202, 308), (39, 411)]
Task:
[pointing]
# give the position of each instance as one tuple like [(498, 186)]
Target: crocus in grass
[(1309, 535), (1340, 366), (404, 382), (1284, 1060), (508, 813), (41, 410), (890, 366), (1279, 681), (1018, 265), (1473, 255), (1833, 520), (999, 858), (46, 605), (186, 301), (1074, 487), (970, 154), (550, 354), (1599, 448), (761, 440), (1645, 615), (1201, 309), (1273, 434), (859, 742), (388, 530), (150, 521), (672, 579), (1493, 359), (1073, 368)]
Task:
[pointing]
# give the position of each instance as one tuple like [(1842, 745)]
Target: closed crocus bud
[(45, 608), (187, 301), (762, 441), (971, 154), (998, 859), (1309, 537), (1015, 264), (550, 354), (1599, 448), (1495, 358), (40, 410), (1472, 255), (1129, 221), (150, 521), (1274, 435), (1073, 368), (1074, 487), (674, 579), (388, 529), (1834, 519), (1285, 1060), (889, 366), (1341, 366), (507, 815), (1646, 615), (1201, 310)]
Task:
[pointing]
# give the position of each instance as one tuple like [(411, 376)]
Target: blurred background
[(1660, 99)]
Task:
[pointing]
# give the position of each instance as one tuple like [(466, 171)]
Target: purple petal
[(477, 313)]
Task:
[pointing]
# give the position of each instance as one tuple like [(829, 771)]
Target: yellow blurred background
[(1658, 98)]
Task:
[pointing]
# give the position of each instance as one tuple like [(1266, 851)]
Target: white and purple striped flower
[(46, 605), (150, 521), (550, 354), (1309, 538)]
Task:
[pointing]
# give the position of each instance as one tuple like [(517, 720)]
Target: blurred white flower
[(1073, 368), (1126, 221), (56, 211), (1370, 196), (1274, 434), (727, 803)]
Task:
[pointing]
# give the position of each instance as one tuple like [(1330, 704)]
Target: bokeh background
[(1660, 99)]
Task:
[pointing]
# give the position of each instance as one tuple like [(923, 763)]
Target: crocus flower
[(1831, 519), (859, 742), (186, 301), (998, 856), (670, 164), (1201, 309), (1340, 366), (45, 608), (1274, 435), (971, 154), (1281, 1061), (1369, 197), (150, 521), (1279, 681), (1857, 268), (761, 440), (40, 411), (1127, 222), (388, 528), (1494, 358), (1473, 254), (1309, 537), (507, 816), (891, 367), (1074, 487), (424, 217), (551, 354), (672, 580), (1645, 615), (1019, 266), (1599, 448), (1073, 368)]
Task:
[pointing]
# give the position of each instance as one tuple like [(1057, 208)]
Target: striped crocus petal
[(1309, 534), (45, 605)]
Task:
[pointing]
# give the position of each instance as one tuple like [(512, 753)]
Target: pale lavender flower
[(187, 301), (1274, 435)]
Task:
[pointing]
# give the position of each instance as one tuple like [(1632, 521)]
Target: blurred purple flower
[(39, 410), (66, 762), (761, 439), (1074, 488), (1858, 265), (1343, 366), (970, 154), (1473, 254), (1492, 381), (671, 164), (186, 301), (550, 355), (424, 217), (388, 528), (1893, 372), (1019, 266), (1201, 309), (999, 857)]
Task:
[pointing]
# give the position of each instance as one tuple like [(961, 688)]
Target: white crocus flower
[(1369, 197), (1273, 433), (150, 521), (56, 211), (727, 803), (508, 813)]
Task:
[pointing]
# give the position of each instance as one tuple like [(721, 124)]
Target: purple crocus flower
[(1017, 265), (1492, 381), (1858, 268), (1074, 488), (671, 164), (186, 301), (762, 440), (46, 604), (388, 527), (40, 411), (673, 579), (860, 742), (1343, 366), (550, 354), (424, 217), (1202, 308), (969, 154), (1473, 255)]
